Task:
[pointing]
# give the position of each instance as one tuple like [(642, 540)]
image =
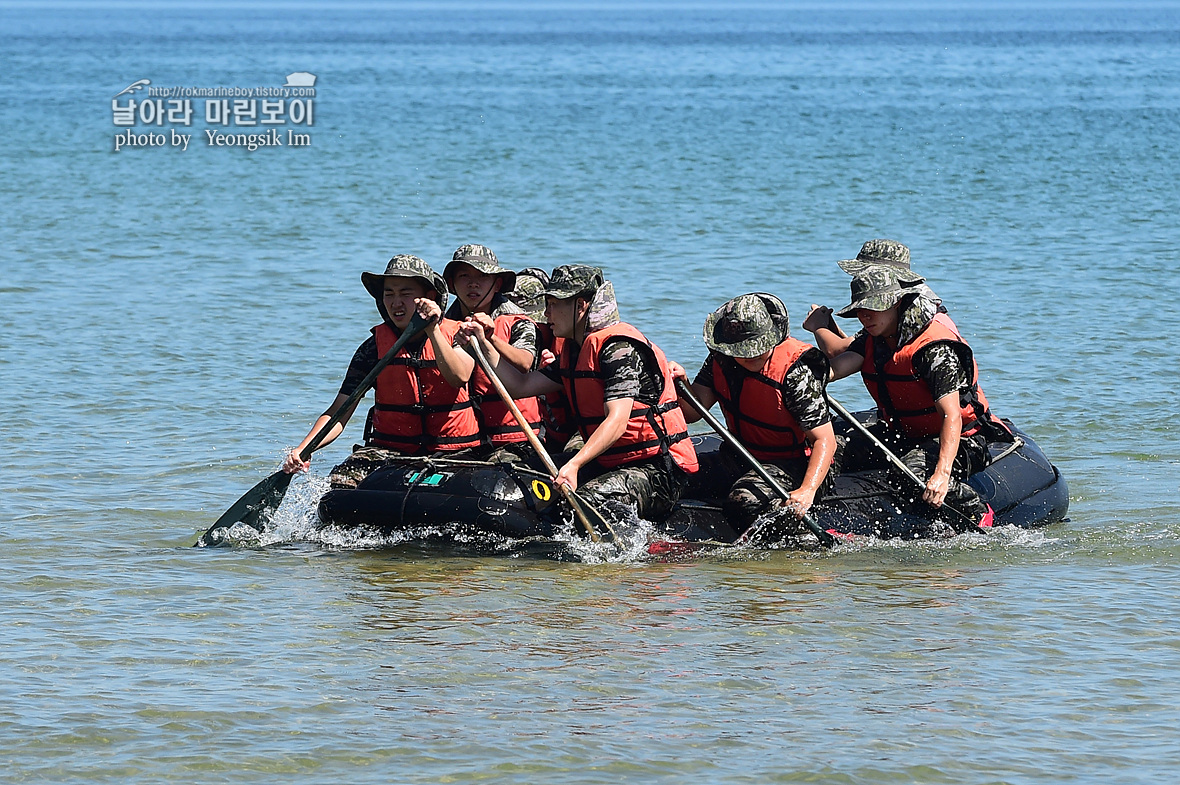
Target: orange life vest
[(417, 410), (654, 428), (754, 412), (559, 420), (495, 417), (906, 400)]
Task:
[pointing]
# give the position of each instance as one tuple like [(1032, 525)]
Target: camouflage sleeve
[(940, 366), (622, 368), (363, 360), (524, 336), (803, 396)]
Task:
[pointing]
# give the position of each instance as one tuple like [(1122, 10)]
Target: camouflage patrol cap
[(571, 280), (879, 287), (406, 266), (887, 252), (482, 259), (530, 286), (747, 325)]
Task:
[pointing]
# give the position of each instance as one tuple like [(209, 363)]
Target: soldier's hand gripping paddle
[(258, 504), (809, 521), (972, 525), (589, 518)]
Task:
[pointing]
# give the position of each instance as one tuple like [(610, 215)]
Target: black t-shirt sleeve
[(704, 376), (363, 360), (860, 343)]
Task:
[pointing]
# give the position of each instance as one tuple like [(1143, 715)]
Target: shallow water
[(172, 319)]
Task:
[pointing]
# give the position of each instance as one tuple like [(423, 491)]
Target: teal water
[(171, 320)]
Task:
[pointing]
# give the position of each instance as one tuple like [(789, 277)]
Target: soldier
[(480, 285), (529, 294), (422, 405), (828, 335), (924, 378), (771, 390), (637, 451)]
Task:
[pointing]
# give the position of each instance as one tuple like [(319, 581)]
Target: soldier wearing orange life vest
[(529, 295), (925, 380), (479, 284), (637, 452), (422, 405), (770, 387)]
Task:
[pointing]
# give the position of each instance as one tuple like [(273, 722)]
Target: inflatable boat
[(515, 501)]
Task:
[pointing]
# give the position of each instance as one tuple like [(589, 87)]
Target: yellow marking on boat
[(541, 490)]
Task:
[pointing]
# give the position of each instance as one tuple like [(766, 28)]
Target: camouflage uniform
[(748, 326), (523, 334), (651, 486), (749, 496), (879, 288)]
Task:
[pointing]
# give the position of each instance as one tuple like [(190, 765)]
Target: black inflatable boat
[(517, 502)]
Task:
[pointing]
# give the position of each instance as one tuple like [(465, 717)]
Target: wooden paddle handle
[(808, 519), (531, 436), (892, 458)]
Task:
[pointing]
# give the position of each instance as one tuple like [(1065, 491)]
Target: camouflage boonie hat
[(570, 280), (483, 259), (529, 290), (887, 252), (747, 326), (879, 287), (406, 266)]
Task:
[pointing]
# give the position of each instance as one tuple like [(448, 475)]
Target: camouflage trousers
[(649, 486), (921, 456), (748, 497)]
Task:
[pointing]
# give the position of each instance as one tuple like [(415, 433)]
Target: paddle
[(808, 519), (892, 458), (259, 503), (590, 519)]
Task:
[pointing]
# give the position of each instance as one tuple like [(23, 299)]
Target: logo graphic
[(300, 79), (136, 86)]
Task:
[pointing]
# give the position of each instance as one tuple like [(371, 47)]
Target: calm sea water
[(171, 319)]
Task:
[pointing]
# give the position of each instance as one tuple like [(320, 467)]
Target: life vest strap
[(422, 440), (421, 409)]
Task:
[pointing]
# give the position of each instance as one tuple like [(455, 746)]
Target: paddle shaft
[(416, 325), (259, 503), (808, 519), (550, 466), (890, 455)]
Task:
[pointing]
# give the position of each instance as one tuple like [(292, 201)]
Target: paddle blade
[(254, 509), (592, 520)]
